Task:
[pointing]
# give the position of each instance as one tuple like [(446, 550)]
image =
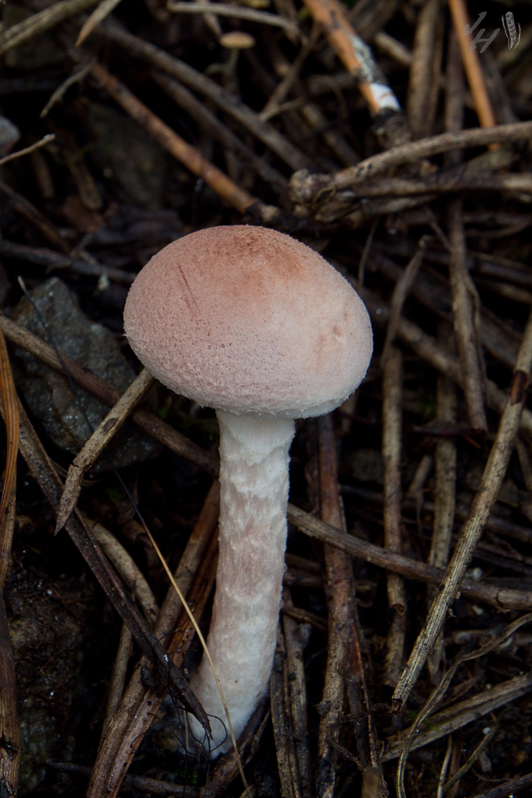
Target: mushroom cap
[(249, 320)]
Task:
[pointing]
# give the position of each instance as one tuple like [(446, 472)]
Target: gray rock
[(48, 393), (9, 135)]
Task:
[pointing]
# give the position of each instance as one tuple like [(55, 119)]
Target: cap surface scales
[(247, 319)]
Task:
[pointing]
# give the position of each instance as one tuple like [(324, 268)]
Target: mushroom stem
[(242, 638)]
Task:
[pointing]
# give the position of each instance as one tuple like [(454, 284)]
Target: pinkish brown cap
[(249, 320)]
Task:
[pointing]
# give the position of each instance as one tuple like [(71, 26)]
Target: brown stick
[(419, 88), (391, 455), (472, 67), (340, 592), (444, 493), (354, 54)]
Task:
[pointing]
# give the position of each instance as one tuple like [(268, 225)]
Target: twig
[(140, 783), (56, 260), (340, 593), (454, 180), (237, 12), (419, 88), (492, 478), (38, 23), (296, 637), (472, 758), (33, 215), (60, 92), (291, 77), (118, 676), (97, 442), (392, 381), (440, 358), (305, 188), (145, 419), (400, 293), (41, 143), (444, 493), (502, 598), (356, 57), (491, 643), (285, 751), (465, 304)]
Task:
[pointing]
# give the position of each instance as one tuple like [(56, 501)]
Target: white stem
[(242, 638)]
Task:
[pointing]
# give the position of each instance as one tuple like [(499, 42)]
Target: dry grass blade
[(491, 481), (103, 10), (194, 623), (27, 150), (97, 443), (508, 788), (238, 12), (400, 293), (60, 92), (43, 21), (128, 569)]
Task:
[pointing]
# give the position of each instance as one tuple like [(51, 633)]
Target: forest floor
[(392, 136)]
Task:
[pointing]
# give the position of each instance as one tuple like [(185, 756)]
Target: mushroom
[(260, 327)]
